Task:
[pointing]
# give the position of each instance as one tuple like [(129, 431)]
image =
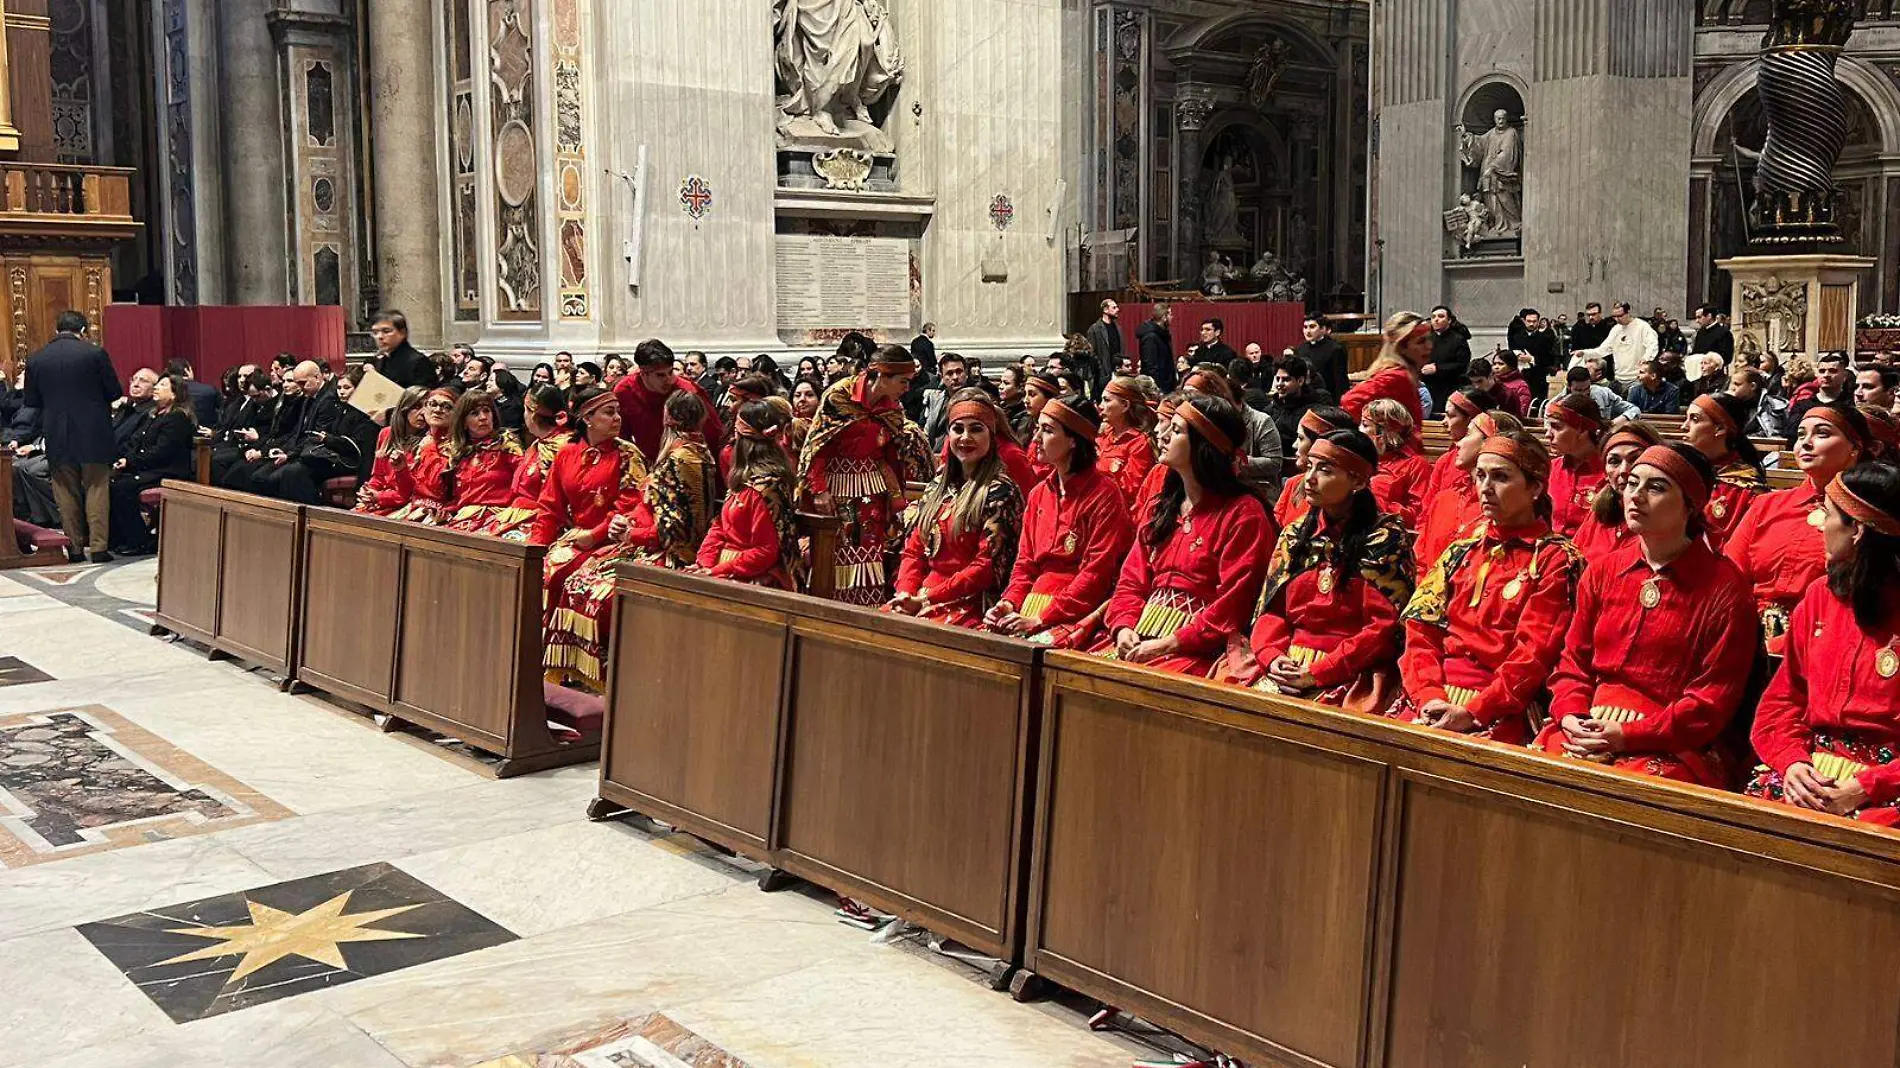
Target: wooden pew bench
[(229, 573)]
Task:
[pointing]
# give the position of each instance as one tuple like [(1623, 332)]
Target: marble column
[(407, 182), (252, 121), (1192, 106)]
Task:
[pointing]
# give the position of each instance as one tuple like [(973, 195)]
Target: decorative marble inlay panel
[(319, 95), (72, 67), (465, 277), (82, 780), (1128, 60), (570, 146), (324, 206), (183, 222), (651, 1041), (516, 165)]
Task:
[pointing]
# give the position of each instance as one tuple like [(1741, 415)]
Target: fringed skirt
[(1166, 612), (1836, 757), (1617, 704), (577, 611), (862, 493), (1511, 730)]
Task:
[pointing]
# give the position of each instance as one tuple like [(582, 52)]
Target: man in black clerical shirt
[(396, 359), (1325, 358)]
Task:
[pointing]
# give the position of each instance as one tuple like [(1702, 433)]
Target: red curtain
[(1274, 326), (216, 339)]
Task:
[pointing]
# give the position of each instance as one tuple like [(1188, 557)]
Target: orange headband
[(1860, 511), (1670, 462), (1838, 422), (905, 366), (1484, 424), (1884, 424), (446, 392), (1420, 328), (1571, 415), (1313, 424), (1341, 457), (741, 391), (747, 430), (1508, 450), (974, 409), (1625, 436), (1707, 405), (594, 405), (1129, 394), (1046, 384), (1071, 419), (1465, 404), (1200, 422)]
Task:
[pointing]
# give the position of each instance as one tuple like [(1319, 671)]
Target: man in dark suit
[(1325, 359), (1156, 346), (1105, 341), (72, 383), (307, 456), (1712, 336), (396, 359), (923, 349), (131, 411)]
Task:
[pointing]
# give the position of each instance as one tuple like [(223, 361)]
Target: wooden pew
[(434, 627), (882, 757), (229, 566), (1295, 885), (10, 554)]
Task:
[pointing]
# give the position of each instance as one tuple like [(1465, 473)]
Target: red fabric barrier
[(1274, 326), (216, 339)]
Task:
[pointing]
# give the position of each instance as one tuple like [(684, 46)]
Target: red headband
[(905, 366), (1625, 436), (1046, 384), (1484, 424), (1670, 462), (747, 430), (594, 405), (1200, 422), (1839, 422), (442, 391), (1510, 451), (1420, 328), (1130, 394), (1884, 424), (1709, 406), (1071, 419), (1860, 511), (1341, 457), (1313, 424), (1465, 404), (974, 409), (1569, 414)]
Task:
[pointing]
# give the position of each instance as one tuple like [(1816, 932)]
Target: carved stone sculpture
[(1782, 307), (1806, 109), (1497, 155), (1468, 221), (1223, 209), (835, 59), (1263, 75)]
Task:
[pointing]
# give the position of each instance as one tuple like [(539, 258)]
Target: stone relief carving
[(1782, 307), (516, 165), (842, 168), (1468, 221), (835, 59), (1263, 76), (1497, 155)]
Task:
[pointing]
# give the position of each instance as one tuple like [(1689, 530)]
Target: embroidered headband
[(747, 430), (1860, 511), (1484, 424), (1670, 462), (1205, 426), (1341, 457), (1465, 404), (595, 405), (1884, 425), (1709, 406), (975, 409), (905, 366), (1048, 385), (1509, 450), (1070, 419)]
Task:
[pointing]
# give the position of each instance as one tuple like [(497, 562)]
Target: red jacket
[(1071, 550), (643, 415)]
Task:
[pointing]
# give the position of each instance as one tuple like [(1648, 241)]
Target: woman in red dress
[(754, 539), (1713, 424), (544, 413), (1461, 407), (586, 510), (1828, 729), (1039, 390), (1157, 476), (1574, 429), (1483, 632), (1399, 485), (392, 482), (961, 546), (1394, 374), (1454, 512), (429, 470), (1328, 618), (1778, 543), (1076, 532), (1318, 422), (1659, 649), (481, 462), (859, 455), (1200, 552), (1126, 446), (1605, 530)]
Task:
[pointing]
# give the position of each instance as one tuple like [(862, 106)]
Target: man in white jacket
[(1631, 344)]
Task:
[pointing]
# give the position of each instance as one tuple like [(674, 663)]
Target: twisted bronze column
[(1806, 109)]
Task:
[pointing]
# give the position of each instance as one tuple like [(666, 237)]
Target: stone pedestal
[(1795, 304)]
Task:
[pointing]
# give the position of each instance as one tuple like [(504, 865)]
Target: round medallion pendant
[(1817, 518), (1652, 594), (1887, 663)]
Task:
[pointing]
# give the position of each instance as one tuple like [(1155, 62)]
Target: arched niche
[(1477, 113)]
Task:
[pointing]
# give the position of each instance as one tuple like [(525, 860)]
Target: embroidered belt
[(727, 556), (858, 478), (1036, 604), (1166, 612), (1043, 593), (1303, 656)]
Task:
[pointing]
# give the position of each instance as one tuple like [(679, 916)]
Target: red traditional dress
[(1485, 628), (1198, 586), (1834, 704), (1664, 653), (1393, 383), (1736, 487), (1150, 492), (428, 474), (482, 483), (514, 522), (1596, 539), (1399, 484), (392, 481), (1291, 506), (1778, 548), (1127, 458), (1342, 628), (586, 488), (960, 576), (862, 457), (1038, 468), (1573, 489), (1015, 461), (1445, 475), (754, 539), (676, 509), (1073, 543), (1453, 514)]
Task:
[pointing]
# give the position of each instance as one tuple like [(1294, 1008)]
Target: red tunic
[(584, 491), (484, 483), (1487, 623), (1597, 540), (1341, 627), (1673, 674), (1292, 506), (1573, 489), (1778, 548), (1445, 475), (1399, 484), (643, 415), (1200, 585), (955, 573), (391, 482), (1393, 383), (1071, 550), (1829, 698), (1736, 488), (1016, 462), (743, 544), (1452, 515), (1149, 493), (1127, 459), (1037, 469)]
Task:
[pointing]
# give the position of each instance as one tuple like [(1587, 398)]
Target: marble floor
[(196, 869)]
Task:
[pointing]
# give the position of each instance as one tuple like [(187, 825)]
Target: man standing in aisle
[(396, 359), (1156, 345), (72, 383), (1105, 339), (1325, 357), (1631, 343)]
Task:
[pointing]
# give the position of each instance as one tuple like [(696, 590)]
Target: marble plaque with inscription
[(843, 282)]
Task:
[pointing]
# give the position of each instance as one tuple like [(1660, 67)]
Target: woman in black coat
[(161, 449)]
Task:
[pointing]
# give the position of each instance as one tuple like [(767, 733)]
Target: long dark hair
[(1362, 514), (1703, 468), (1213, 468), (1867, 580), (1085, 454), (755, 457)]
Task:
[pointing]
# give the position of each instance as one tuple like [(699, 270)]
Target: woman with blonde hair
[(962, 545), (1408, 347), (1399, 485)]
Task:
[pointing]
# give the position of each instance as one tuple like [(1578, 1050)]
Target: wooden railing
[(58, 189)]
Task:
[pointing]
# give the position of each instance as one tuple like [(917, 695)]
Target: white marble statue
[(1497, 155), (1223, 209), (834, 58), (1468, 221)]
